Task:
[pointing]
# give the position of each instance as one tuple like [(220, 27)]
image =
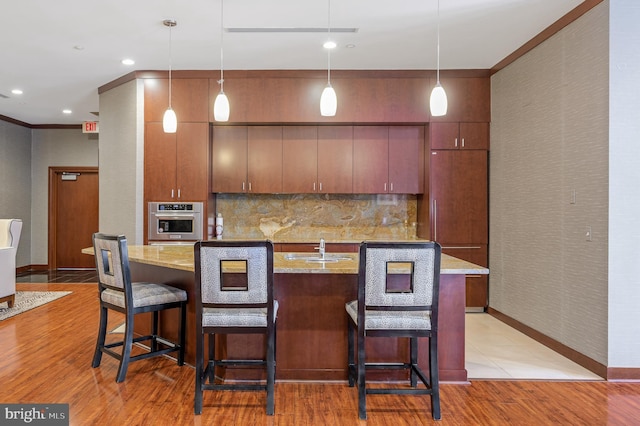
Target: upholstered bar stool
[(234, 295), (9, 238), (398, 286), (118, 293)]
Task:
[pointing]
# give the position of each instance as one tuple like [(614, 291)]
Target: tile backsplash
[(300, 217)]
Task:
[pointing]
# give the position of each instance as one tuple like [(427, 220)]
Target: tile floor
[(494, 350)]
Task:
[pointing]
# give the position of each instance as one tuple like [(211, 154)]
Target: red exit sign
[(90, 127)]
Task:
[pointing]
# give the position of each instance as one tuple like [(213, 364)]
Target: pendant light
[(221, 104), (438, 100), (169, 121), (328, 100)]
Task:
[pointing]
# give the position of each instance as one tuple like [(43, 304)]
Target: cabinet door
[(459, 205), (477, 286), (370, 159), (469, 99), (444, 135), (474, 136), (335, 159), (264, 159), (406, 159), (192, 175), (229, 159), (159, 164), (299, 159)]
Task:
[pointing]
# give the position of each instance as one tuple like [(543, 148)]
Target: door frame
[(53, 202)]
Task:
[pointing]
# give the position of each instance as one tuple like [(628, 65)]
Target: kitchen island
[(312, 323)]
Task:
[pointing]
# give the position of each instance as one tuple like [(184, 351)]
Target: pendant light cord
[(221, 46), (438, 47), (328, 39), (171, 24)]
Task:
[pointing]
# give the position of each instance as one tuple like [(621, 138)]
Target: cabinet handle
[(385, 187), (461, 247), (314, 187), (320, 186), (391, 187), (242, 186), (249, 186), (435, 220), (178, 192), (463, 142), (456, 143), (172, 193)]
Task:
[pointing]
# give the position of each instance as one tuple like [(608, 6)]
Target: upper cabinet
[(335, 159), (176, 166), (246, 159), (469, 99), (459, 135), (189, 99), (388, 159)]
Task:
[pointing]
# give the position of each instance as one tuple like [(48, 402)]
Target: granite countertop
[(181, 257)]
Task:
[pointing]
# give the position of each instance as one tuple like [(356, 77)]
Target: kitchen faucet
[(321, 248)]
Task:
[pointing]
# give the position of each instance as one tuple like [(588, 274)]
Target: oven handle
[(174, 215)]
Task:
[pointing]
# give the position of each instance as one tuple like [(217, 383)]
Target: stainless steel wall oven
[(175, 222)]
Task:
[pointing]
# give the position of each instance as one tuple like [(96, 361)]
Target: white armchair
[(9, 239)]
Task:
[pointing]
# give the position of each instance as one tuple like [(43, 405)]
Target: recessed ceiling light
[(350, 46), (67, 111), (329, 44), (78, 47), (128, 61), (16, 92)]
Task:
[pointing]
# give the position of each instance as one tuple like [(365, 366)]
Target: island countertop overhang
[(181, 257)]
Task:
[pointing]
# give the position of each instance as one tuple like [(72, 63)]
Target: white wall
[(122, 161), (15, 183), (53, 148), (549, 137), (624, 181)]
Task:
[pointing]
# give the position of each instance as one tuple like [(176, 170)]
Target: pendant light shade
[(221, 108), (169, 120), (328, 99), (438, 101), (328, 102)]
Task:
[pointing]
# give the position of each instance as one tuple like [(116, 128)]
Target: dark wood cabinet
[(264, 159), (459, 204), (476, 294), (299, 159), (189, 99), (459, 135), (335, 159), (468, 98), (388, 159), (229, 159), (176, 164)]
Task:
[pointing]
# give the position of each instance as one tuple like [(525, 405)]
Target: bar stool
[(234, 294), (118, 293), (398, 288)]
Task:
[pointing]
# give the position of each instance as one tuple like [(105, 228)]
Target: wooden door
[(264, 159), (406, 159), (229, 159), (73, 216), (335, 159), (370, 159), (192, 162), (474, 135), (459, 192), (299, 159), (159, 164)]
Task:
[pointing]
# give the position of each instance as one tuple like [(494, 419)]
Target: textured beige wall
[(549, 137), (122, 161), (15, 183)]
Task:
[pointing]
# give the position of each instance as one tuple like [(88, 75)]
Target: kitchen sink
[(328, 257)]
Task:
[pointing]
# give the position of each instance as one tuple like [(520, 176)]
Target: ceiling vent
[(288, 30)]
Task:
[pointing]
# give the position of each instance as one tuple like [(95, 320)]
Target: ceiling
[(60, 52)]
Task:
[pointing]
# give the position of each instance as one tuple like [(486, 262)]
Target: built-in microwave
[(173, 222)]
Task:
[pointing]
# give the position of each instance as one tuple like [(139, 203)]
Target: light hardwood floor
[(45, 357)]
